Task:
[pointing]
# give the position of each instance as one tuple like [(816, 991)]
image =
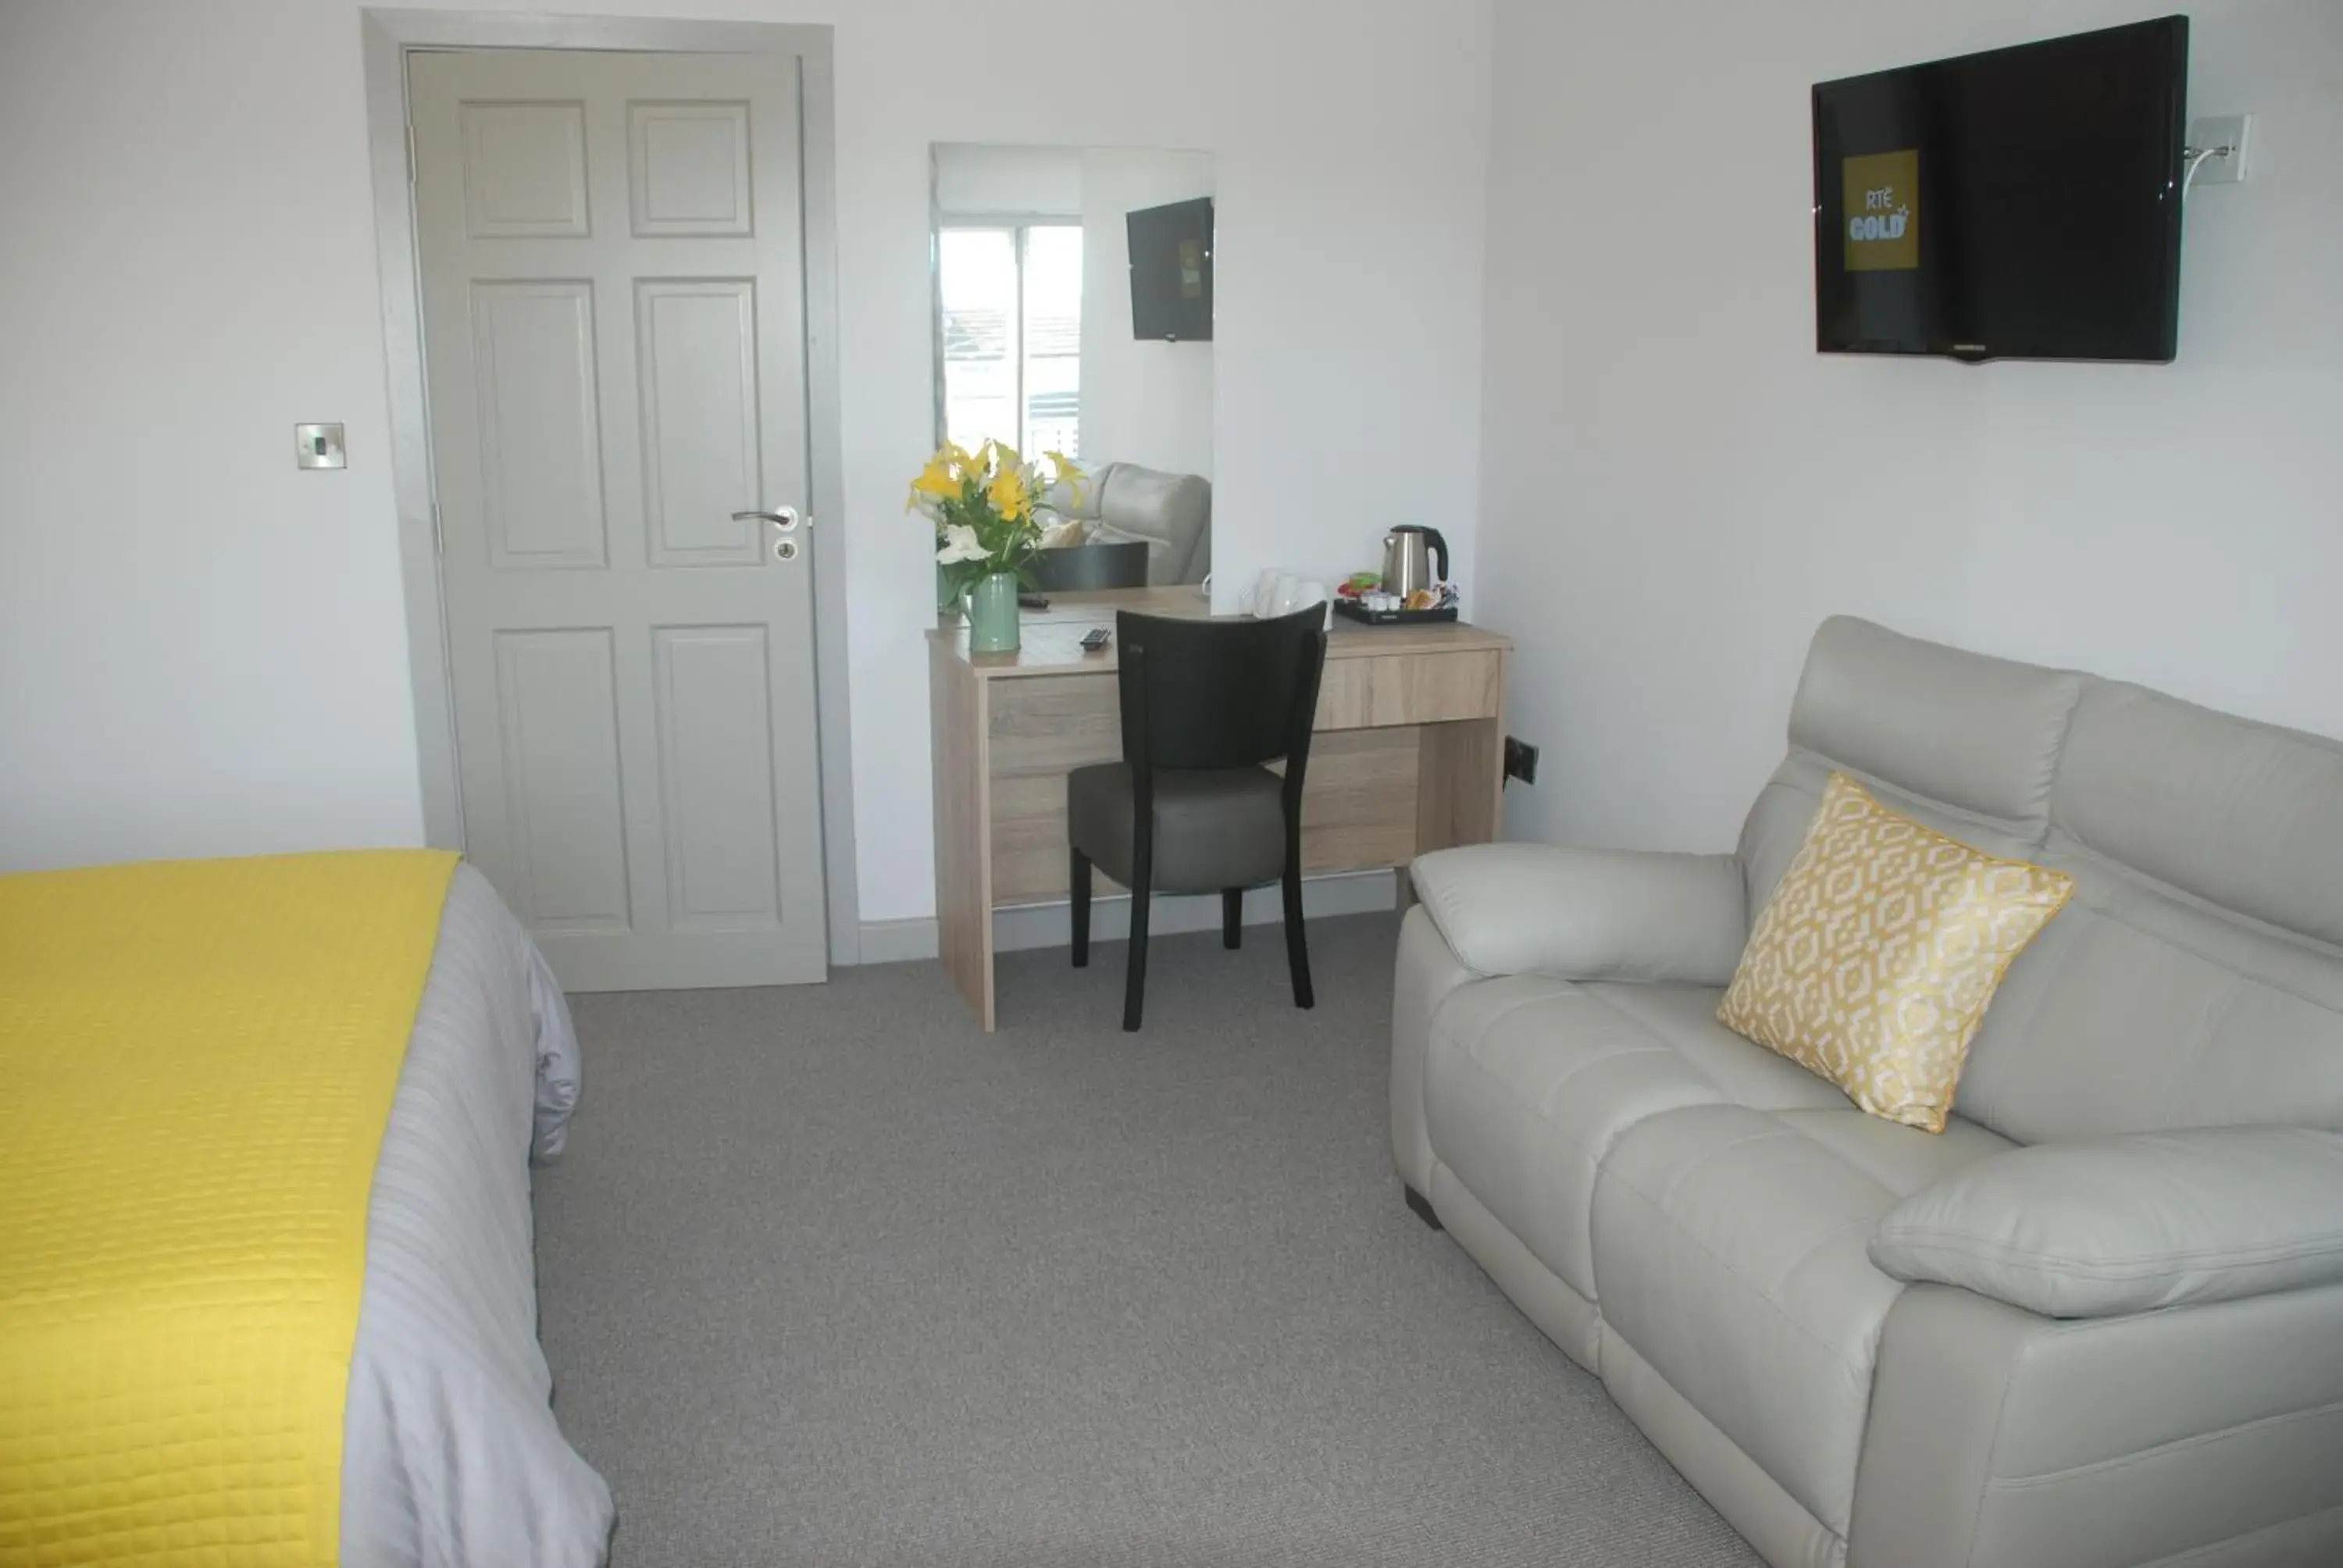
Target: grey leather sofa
[(1170, 513), (2099, 1320)]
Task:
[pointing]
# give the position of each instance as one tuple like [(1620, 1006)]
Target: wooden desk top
[(1053, 637)]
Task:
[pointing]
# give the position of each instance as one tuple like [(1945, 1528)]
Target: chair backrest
[(1091, 568), (1219, 693), (2196, 979)]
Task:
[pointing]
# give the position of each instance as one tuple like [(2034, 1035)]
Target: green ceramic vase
[(992, 614)]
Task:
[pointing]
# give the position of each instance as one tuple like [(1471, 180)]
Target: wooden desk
[(1410, 755)]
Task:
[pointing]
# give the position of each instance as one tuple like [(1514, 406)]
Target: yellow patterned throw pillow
[(1873, 960)]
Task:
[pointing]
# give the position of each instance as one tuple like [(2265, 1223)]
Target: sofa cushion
[(1965, 742), (1171, 510), (1748, 1075), (1882, 1153), (1730, 1248), (1875, 959), (2197, 979), (1980, 734), (1527, 1082), (2246, 817)]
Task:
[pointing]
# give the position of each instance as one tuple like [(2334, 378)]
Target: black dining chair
[(1191, 808), (1089, 569)]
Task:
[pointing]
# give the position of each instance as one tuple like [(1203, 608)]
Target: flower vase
[(992, 614)]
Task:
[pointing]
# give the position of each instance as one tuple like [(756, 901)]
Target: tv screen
[(1172, 271), (2018, 204)]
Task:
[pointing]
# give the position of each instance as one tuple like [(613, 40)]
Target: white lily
[(959, 545)]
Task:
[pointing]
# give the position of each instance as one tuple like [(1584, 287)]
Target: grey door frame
[(390, 33)]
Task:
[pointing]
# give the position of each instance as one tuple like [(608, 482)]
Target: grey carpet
[(830, 1277)]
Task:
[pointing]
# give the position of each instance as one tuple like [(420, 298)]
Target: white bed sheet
[(451, 1457)]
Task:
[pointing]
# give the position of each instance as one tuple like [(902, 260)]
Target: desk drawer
[(1384, 689)]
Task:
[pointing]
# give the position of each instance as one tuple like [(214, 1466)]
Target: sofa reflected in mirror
[(1046, 275), (1169, 516)]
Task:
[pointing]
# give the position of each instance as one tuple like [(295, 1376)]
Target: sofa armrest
[(1587, 914), (2112, 1226), (2200, 1435)]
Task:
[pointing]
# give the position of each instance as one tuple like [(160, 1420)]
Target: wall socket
[(2234, 132), (1520, 761)]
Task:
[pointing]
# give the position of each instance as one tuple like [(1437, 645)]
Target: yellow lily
[(1007, 493), (937, 480), (1067, 472)]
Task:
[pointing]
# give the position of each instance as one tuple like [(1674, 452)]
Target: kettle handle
[(1433, 539)]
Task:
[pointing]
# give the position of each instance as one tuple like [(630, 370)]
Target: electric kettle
[(1408, 550)]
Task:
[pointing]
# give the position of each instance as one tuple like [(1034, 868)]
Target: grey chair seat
[(1214, 829)]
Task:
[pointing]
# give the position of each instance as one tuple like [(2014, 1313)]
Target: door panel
[(541, 434), (715, 758), (689, 163), (696, 352), (611, 254), (556, 711), (524, 170)]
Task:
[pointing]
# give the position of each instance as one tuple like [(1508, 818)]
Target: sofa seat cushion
[(1748, 1075), (1528, 1080), (1730, 1247), (1883, 1151)]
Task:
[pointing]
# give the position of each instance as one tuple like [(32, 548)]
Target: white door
[(613, 309)]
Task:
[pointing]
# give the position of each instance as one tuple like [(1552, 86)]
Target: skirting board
[(1051, 925)]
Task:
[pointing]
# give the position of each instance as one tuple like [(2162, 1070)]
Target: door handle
[(784, 518)]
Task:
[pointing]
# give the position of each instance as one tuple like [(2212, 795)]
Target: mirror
[(1074, 310)]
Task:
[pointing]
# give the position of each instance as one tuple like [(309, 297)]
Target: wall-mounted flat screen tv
[(2020, 204)]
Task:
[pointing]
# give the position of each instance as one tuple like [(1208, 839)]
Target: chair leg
[(1232, 917), (1297, 945), (1134, 985), (1079, 881)]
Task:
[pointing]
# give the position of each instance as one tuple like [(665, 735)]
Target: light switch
[(318, 446)]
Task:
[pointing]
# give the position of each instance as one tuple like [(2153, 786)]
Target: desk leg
[(959, 736), (1460, 784)]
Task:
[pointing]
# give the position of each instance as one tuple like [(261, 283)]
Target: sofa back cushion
[(1172, 512), (2196, 979), (1963, 742)]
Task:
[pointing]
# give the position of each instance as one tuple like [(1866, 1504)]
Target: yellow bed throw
[(197, 1063)]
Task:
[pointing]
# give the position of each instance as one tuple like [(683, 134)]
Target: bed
[(452, 1456), (450, 1452)]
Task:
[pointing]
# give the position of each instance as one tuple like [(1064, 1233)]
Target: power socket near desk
[(1520, 761)]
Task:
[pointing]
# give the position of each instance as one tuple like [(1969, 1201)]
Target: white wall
[(1143, 402), (1676, 487), (203, 650)]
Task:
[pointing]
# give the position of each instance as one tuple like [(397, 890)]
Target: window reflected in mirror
[(1012, 335)]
